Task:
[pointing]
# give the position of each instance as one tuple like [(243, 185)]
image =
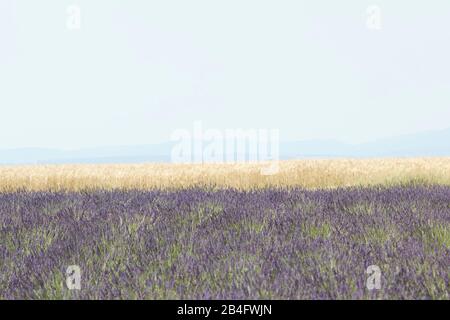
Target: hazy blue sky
[(137, 70)]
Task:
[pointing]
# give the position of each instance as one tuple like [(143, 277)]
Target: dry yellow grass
[(293, 173)]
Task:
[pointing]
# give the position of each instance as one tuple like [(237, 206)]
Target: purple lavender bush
[(199, 244)]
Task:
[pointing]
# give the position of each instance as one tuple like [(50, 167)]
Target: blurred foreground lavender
[(197, 244)]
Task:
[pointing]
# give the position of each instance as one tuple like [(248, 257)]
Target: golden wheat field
[(310, 174)]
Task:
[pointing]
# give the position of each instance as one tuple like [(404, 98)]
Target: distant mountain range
[(433, 143)]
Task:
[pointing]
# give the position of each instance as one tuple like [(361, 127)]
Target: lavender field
[(228, 244)]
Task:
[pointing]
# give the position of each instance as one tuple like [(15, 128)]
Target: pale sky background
[(137, 70)]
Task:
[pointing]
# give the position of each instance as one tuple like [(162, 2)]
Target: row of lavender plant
[(199, 244)]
